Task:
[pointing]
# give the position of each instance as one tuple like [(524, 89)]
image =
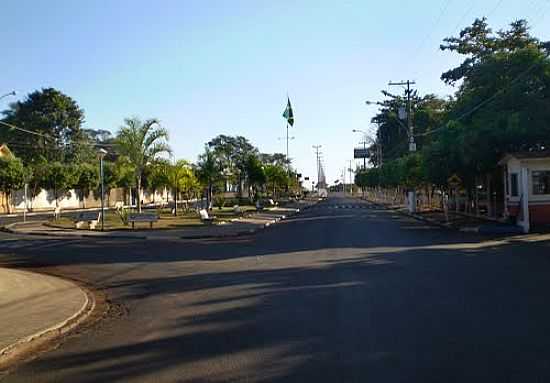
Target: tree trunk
[(139, 194), (489, 196)]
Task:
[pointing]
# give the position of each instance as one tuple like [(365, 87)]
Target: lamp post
[(367, 138), (101, 154), (12, 93)]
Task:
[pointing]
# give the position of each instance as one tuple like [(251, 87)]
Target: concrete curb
[(469, 229), (414, 216), (17, 350), (11, 229)]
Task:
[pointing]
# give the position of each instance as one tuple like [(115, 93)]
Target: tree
[(181, 179), (54, 117), (111, 178), (141, 143), (12, 176), (255, 174), (87, 179), (274, 159), (209, 172), (231, 153), (156, 176), (124, 173), (276, 178), (189, 184), (60, 178)]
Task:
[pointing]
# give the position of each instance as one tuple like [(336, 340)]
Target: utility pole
[(410, 128), (364, 142), (318, 161), (350, 178)]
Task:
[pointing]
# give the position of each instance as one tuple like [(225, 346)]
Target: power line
[(493, 10), (422, 43), (485, 102)]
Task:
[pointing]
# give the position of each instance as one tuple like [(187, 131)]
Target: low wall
[(45, 200)]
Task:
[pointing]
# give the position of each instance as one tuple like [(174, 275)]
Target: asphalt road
[(341, 293)]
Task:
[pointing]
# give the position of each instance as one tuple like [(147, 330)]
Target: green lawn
[(166, 219)]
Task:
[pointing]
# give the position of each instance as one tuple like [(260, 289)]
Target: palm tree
[(141, 143), (209, 172)]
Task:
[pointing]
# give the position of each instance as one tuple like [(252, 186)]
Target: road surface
[(344, 292)]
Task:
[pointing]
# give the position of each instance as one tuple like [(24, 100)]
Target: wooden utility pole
[(410, 129)]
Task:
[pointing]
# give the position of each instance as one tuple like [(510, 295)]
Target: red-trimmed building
[(527, 187)]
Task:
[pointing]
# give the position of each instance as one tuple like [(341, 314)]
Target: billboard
[(360, 153)]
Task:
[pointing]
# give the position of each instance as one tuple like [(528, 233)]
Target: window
[(541, 182), (514, 184)]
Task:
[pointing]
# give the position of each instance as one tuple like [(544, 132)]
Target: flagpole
[(287, 157)]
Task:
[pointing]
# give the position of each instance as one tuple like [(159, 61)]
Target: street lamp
[(12, 93), (101, 154), (374, 103)]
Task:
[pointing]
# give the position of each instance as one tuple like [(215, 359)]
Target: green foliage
[(53, 115), (156, 176), (59, 177), (502, 105), (182, 175), (12, 174), (140, 143), (276, 179), (219, 200), (255, 173), (231, 153), (122, 214), (87, 178)]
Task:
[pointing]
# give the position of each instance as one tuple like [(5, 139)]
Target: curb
[(414, 216), (468, 229), (11, 229), (19, 349)]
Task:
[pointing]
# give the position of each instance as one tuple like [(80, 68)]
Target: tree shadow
[(426, 306)]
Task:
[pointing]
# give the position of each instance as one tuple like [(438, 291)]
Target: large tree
[(87, 180), (12, 176), (55, 121), (60, 178), (141, 143), (231, 152)]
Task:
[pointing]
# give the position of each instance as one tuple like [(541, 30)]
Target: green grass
[(166, 219)]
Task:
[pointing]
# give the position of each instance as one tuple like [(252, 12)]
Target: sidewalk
[(33, 307), (457, 221), (241, 226)]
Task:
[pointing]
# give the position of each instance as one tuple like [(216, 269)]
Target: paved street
[(343, 292)]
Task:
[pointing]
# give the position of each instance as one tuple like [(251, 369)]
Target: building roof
[(543, 154)]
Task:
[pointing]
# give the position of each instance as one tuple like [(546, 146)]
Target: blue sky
[(211, 67)]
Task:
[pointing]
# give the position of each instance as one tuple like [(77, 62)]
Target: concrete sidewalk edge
[(11, 228), (21, 348)]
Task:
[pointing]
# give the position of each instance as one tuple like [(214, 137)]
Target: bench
[(90, 217), (259, 205), (205, 217), (142, 217)]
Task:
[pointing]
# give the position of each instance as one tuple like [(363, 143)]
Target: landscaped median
[(36, 309), (227, 223)]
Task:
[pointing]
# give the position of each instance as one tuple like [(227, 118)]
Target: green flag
[(289, 114)]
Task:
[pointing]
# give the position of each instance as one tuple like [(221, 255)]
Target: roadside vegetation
[(501, 105), (50, 149)]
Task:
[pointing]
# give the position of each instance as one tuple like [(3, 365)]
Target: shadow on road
[(347, 298)]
